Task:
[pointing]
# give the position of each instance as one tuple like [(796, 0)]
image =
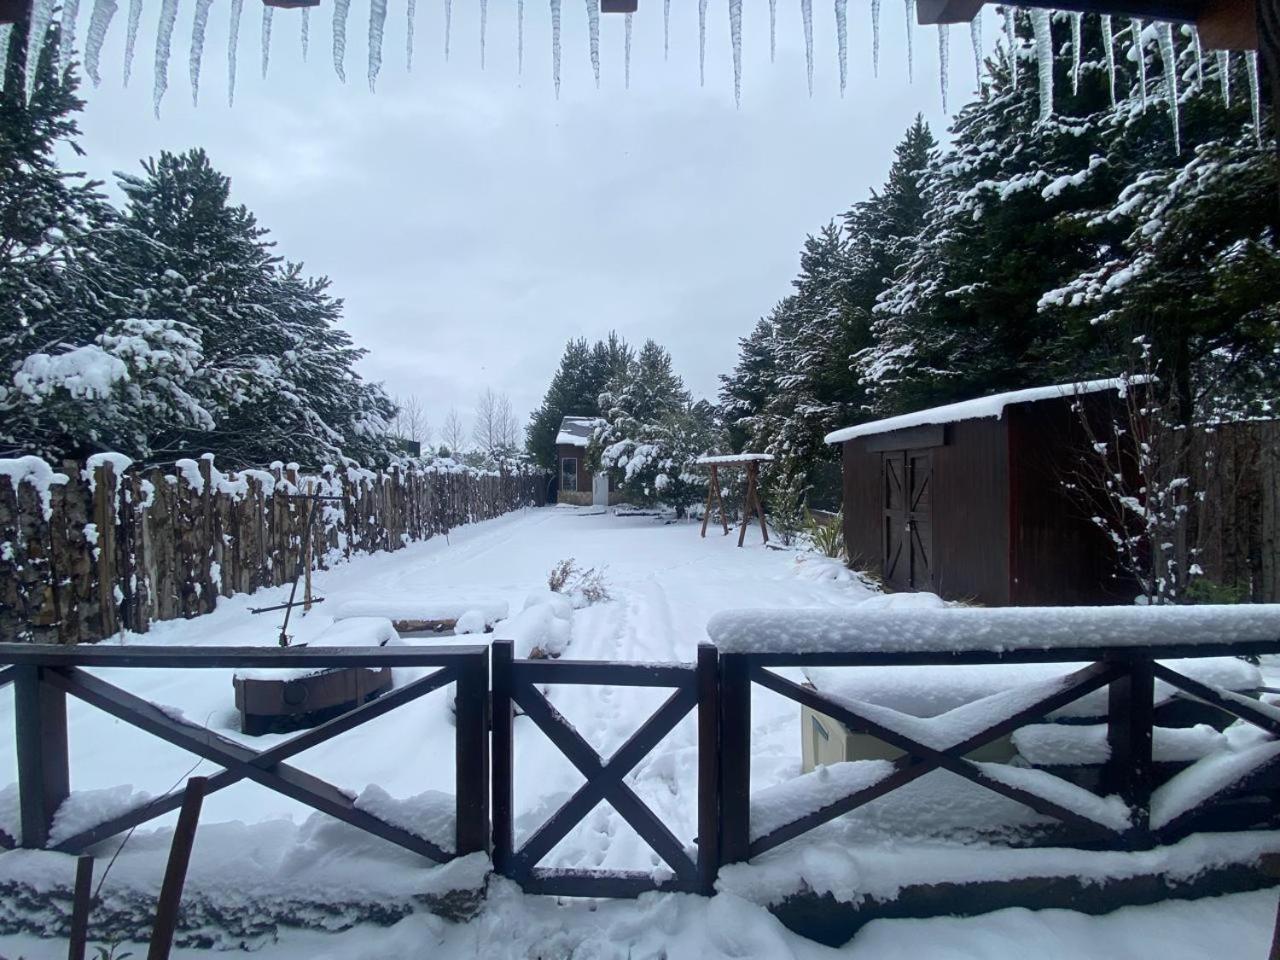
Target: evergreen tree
[(574, 392)]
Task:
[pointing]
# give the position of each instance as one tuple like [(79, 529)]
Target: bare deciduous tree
[(410, 422), (452, 433), (495, 427)]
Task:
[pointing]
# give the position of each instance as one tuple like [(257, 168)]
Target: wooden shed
[(968, 500), (575, 483)]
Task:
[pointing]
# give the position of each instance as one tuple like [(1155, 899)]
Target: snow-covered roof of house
[(576, 431), (978, 408)]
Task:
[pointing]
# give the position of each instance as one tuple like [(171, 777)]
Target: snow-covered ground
[(665, 583)]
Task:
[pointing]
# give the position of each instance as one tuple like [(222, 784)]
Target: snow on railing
[(1005, 629)]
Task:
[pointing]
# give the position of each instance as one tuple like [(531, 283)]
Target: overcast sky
[(473, 223)]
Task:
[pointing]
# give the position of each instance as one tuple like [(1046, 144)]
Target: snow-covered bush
[(583, 587)]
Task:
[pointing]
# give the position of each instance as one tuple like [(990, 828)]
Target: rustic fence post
[(1130, 710), (44, 778), (81, 901), (104, 519), (175, 871), (472, 754), (735, 759), (503, 758), (708, 684)]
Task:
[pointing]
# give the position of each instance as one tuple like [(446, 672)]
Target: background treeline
[(164, 328), (1116, 234)]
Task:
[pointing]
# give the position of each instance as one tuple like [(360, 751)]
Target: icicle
[(593, 33), (1042, 28), (666, 27), (806, 13), (233, 38), (1011, 41), (131, 37), (67, 32), (411, 14), (842, 41), (164, 42), (1224, 75), (875, 37), (1109, 44), (41, 17), (1169, 60), (199, 23), (341, 8), (377, 29), (911, 55), (6, 31), (1075, 52), (448, 25), (627, 53), (1255, 94), (773, 29), (975, 38), (555, 44), (702, 42), (1195, 37), (944, 60), (268, 16), (99, 21), (1135, 27), (484, 28), (735, 37), (519, 36), (305, 31)]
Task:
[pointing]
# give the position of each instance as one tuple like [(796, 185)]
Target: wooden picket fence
[(99, 551)]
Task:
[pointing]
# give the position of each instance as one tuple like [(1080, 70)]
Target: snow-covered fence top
[(88, 549), (949, 630)]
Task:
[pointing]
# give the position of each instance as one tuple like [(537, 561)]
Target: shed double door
[(907, 491)]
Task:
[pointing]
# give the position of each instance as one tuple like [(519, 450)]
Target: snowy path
[(665, 583)]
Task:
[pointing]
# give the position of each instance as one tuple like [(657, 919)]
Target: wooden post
[(503, 758), (104, 519), (751, 503), (175, 872), (735, 759), (712, 484), (1130, 710), (472, 756), (81, 901), (755, 493), (708, 680), (306, 560), (44, 778)]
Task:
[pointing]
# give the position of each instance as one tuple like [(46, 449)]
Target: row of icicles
[(104, 11)]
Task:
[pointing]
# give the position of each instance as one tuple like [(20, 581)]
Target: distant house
[(576, 483), (968, 500)]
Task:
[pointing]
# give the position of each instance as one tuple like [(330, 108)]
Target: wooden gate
[(907, 484)]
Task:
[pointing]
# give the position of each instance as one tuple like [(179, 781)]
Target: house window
[(569, 474)]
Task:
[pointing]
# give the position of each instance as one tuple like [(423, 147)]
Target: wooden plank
[(503, 809), (265, 759), (1235, 704), (622, 798), (57, 655), (708, 687), (44, 778), (912, 438), (471, 756), (735, 759), (283, 779), (1228, 25), (81, 901), (929, 12), (907, 658), (601, 672), (175, 871), (616, 884), (1130, 716), (599, 783)]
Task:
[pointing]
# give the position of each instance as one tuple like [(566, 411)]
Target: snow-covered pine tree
[(575, 390), (746, 390)]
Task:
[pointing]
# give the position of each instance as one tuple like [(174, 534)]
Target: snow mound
[(401, 610), (84, 809), (544, 626)]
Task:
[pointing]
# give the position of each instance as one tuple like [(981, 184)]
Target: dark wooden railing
[(1128, 672), (718, 686), (43, 676), (515, 684)]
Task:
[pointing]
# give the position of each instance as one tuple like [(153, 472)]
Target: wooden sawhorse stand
[(750, 500)]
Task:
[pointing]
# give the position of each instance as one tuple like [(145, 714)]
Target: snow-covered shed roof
[(976, 409), (576, 431)]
